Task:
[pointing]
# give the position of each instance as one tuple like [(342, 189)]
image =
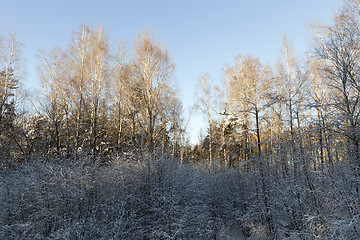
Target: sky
[(202, 36)]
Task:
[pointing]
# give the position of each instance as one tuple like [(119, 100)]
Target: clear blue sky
[(201, 35)]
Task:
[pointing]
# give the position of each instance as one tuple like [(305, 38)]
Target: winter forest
[(102, 150)]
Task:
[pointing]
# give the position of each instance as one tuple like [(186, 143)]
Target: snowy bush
[(162, 199)]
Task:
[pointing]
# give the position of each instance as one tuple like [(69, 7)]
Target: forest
[(102, 150)]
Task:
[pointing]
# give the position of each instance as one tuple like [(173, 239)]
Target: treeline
[(94, 100), (308, 109), (100, 100)]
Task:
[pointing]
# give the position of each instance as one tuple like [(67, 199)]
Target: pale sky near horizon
[(201, 35)]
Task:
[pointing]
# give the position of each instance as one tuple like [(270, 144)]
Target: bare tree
[(292, 92), (98, 76), (321, 101), (51, 72), (249, 89), (10, 74), (337, 47), (249, 85), (205, 103), (154, 77), (77, 81), (120, 93)]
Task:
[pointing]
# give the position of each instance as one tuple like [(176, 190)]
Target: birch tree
[(205, 103), (77, 63), (120, 106), (154, 75), (52, 76), (87, 69), (249, 86), (249, 89), (321, 96), (337, 46), (98, 74)]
